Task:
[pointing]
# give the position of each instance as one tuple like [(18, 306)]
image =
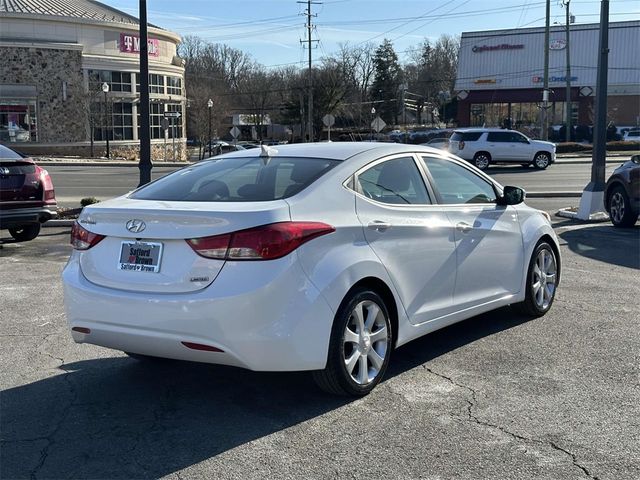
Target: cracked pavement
[(498, 396)]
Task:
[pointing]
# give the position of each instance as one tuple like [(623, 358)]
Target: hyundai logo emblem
[(136, 226)]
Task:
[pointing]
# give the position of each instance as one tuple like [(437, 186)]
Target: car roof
[(8, 154), (495, 129), (331, 151)]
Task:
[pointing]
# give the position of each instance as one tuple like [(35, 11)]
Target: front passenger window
[(456, 184)]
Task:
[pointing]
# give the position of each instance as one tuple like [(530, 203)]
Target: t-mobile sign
[(131, 44)]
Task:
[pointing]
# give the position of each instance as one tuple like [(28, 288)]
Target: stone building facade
[(57, 59)]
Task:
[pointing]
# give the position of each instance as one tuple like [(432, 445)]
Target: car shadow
[(119, 418), (618, 246)]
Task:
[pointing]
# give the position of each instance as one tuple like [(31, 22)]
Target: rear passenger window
[(396, 182), (466, 136)]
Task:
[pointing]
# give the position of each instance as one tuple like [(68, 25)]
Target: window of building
[(156, 83), (117, 81), (18, 123), (174, 86), (122, 121), (175, 124)]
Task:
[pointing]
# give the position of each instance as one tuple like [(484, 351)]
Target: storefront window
[(175, 124), (122, 121), (18, 123), (156, 83)]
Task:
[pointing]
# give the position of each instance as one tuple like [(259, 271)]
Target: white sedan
[(318, 257)]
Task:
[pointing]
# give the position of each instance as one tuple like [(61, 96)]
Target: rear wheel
[(542, 280), (542, 160), (620, 211), (360, 346), (482, 160), (24, 233)]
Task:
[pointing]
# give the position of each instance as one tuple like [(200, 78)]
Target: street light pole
[(568, 75), (545, 91), (373, 112), (145, 164), (210, 107), (592, 200), (105, 89)]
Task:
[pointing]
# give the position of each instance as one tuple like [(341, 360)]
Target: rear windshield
[(237, 180), (465, 136), (15, 168)]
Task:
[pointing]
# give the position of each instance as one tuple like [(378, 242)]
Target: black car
[(622, 193)]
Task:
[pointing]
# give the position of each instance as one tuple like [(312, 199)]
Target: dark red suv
[(27, 198)]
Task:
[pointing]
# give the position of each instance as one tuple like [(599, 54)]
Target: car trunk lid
[(144, 248)]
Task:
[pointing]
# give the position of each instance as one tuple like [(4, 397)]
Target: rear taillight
[(83, 239), (267, 242), (47, 185), (460, 145)]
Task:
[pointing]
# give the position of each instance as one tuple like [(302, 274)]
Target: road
[(497, 396), (74, 183)]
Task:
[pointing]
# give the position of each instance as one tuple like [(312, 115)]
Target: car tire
[(24, 233), (542, 160), (542, 282), (360, 346), (481, 160), (620, 211)]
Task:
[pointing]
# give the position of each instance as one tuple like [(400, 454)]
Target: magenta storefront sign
[(131, 44)]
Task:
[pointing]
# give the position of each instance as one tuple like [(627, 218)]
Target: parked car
[(438, 143), (486, 146), (622, 193), (322, 257), (632, 136), (27, 198)]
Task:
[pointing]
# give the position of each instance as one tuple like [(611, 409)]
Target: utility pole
[(592, 200), (545, 91), (310, 79), (568, 74), (145, 164)]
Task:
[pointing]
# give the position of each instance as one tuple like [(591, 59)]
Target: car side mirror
[(635, 159), (511, 196)]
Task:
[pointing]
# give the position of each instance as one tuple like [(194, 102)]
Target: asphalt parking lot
[(498, 396)]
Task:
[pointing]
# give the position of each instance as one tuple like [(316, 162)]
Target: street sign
[(378, 124), (172, 114), (328, 120), (164, 123), (235, 131)]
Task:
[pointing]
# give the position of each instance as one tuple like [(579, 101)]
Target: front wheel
[(542, 280), (542, 160), (620, 210), (360, 346), (25, 233)]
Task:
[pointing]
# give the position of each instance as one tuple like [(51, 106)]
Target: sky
[(271, 30)]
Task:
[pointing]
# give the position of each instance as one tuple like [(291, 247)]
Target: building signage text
[(502, 46), (557, 44), (131, 44), (539, 79)]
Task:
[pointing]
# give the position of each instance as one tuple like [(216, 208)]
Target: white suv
[(484, 146)]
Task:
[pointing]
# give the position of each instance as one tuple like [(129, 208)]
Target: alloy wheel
[(481, 161), (365, 342), (544, 278), (542, 160), (617, 207)]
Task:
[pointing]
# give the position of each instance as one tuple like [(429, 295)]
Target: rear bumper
[(264, 316), (10, 218)]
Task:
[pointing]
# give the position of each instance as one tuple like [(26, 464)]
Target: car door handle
[(464, 227), (379, 225)]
